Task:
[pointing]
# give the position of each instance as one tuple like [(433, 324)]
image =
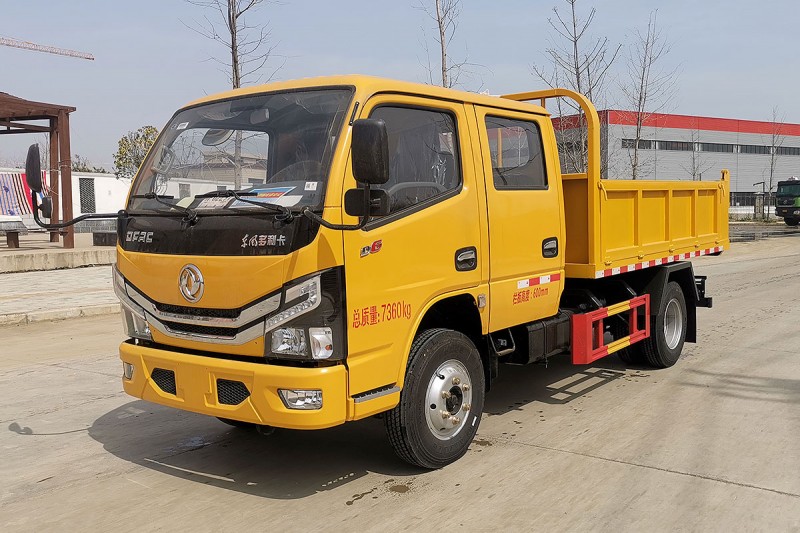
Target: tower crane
[(26, 45)]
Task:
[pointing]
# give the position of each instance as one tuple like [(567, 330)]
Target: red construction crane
[(25, 45)]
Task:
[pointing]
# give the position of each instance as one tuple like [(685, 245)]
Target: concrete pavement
[(708, 445), (42, 281), (36, 252), (27, 297)]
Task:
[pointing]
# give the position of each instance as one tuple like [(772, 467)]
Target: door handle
[(550, 247), (466, 259)]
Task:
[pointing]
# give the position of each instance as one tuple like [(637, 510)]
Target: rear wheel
[(442, 400), (630, 355), (668, 329)]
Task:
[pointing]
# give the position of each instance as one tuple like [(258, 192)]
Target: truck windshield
[(789, 189), (270, 148)]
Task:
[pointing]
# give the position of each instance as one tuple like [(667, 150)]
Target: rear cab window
[(516, 151)]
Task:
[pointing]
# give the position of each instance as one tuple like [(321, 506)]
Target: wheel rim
[(449, 399), (673, 324)]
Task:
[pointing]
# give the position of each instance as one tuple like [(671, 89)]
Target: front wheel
[(442, 400), (791, 221), (668, 329)]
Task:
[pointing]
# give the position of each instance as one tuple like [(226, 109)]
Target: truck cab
[(787, 201)]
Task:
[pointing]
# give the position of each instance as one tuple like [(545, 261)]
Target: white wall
[(109, 192), (745, 169)]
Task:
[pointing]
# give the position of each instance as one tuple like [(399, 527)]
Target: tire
[(667, 329), (444, 377), (791, 221), (632, 355), (237, 423)]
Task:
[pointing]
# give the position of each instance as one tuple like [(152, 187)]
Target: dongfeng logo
[(191, 283)]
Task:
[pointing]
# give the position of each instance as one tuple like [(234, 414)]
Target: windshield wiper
[(284, 213), (227, 193), (191, 215)]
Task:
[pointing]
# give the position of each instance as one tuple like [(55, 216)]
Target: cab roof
[(367, 86)]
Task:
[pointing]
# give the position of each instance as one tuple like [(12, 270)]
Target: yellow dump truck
[(308, 253)]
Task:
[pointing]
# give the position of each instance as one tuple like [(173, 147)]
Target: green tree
[(81, 164), (132, 149)]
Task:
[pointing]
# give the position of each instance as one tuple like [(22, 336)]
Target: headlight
[(305, 294), (292, 341), (311, 326), (133, 316), (289, 341), (135, 325), (119, 281)]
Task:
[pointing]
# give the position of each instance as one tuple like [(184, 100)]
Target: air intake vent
[(197, 329), (198, 311), (231, 392), (165, 379)]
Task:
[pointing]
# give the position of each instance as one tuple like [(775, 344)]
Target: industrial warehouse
[(683, 147)]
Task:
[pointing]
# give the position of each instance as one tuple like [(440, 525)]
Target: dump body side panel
[(643, 223)]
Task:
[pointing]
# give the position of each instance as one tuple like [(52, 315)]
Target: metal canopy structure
[(18, 115)]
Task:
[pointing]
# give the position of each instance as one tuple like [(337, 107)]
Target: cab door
[(428, 245), (525, 217)]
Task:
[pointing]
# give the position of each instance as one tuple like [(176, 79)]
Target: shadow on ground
[(285, 465), (557, 383), (748, 387), (296, 464)]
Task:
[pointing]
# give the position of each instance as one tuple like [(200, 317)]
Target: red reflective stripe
[(656, 262)]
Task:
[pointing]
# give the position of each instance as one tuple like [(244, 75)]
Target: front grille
[(231, 392), (165, 379), (195, 329), (198, 311)]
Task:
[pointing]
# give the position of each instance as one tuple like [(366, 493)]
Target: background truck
[(787, 201), (308, 253)]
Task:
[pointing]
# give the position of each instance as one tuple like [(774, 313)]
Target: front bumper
[(788, 212), (196, 381)]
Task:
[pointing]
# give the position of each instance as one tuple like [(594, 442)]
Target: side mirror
[(33, 168), (370, 151), (356, 202), (46, 207)]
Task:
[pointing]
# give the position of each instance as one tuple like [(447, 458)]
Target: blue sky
[(736, 59)]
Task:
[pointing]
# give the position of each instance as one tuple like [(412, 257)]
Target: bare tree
[(697, 163), (44, 150), (581, 64), (445, 13), (648, 88), (249, 48), (776, 140)]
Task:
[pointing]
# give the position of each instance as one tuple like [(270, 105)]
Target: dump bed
[(618, 225), (614, 226)]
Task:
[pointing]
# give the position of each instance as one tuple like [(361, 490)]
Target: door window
[(516, 151), (423, 155)]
